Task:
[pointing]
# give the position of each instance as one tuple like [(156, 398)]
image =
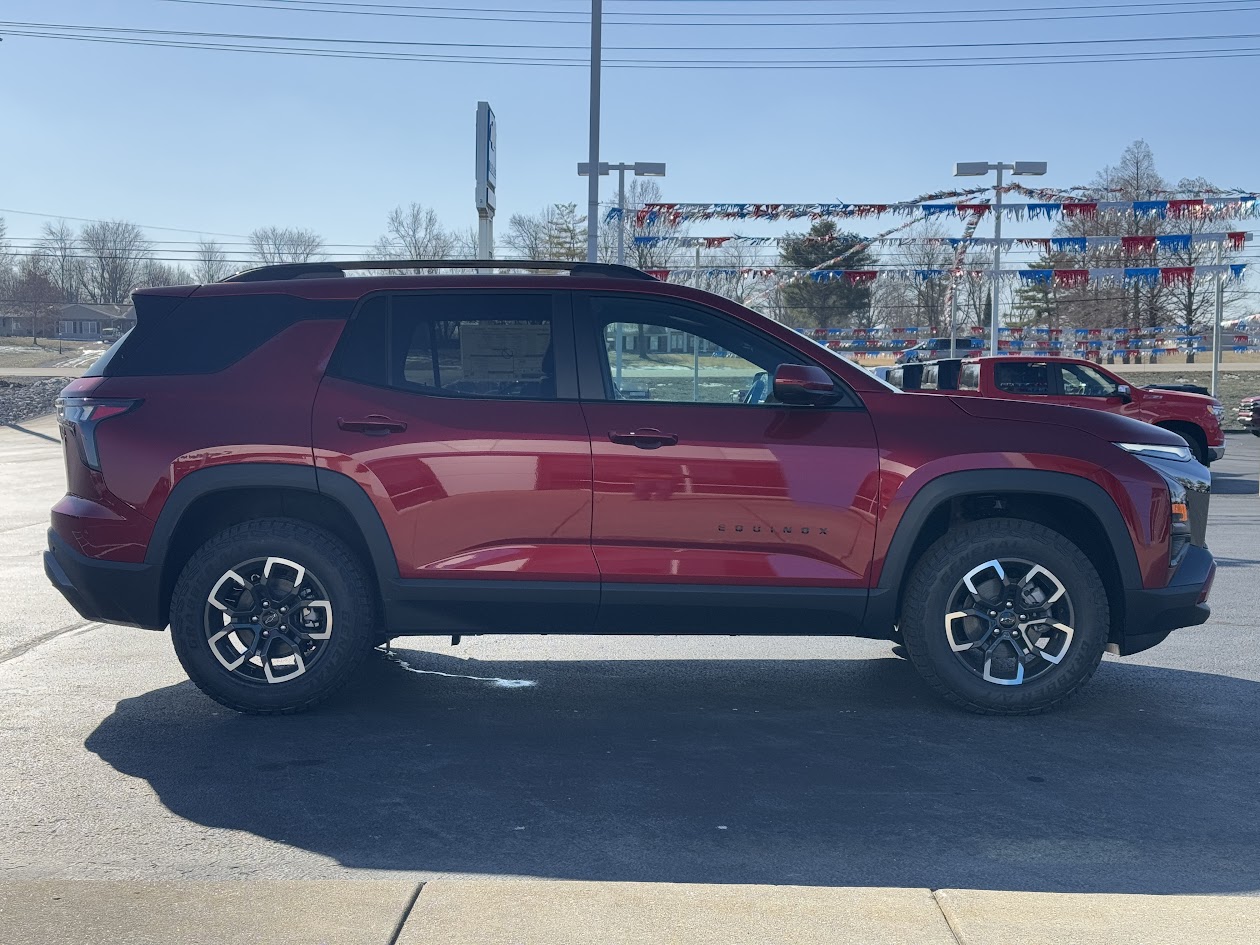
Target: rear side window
[(205, 335), (1022, 377), (492, 344)]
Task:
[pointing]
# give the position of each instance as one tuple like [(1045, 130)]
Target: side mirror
[(1124, 392), (804, 385)]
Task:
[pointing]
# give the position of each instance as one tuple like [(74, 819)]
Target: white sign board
[(486, 157)]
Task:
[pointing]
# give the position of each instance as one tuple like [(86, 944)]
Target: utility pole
[(592, 189)]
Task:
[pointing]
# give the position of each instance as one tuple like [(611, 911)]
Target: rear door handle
[(374, 425), (645, 438)]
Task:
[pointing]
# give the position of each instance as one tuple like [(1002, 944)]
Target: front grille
[(1197, 507)]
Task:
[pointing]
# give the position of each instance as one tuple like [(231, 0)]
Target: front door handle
[(645, 438), (374, 425)]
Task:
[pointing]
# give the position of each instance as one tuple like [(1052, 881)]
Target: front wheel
[(272, 616), (1005, 616)]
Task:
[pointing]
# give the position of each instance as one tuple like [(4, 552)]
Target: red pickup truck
[(1073, 382)]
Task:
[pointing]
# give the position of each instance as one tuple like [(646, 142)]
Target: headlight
[(1158, 451), (1219, 412)]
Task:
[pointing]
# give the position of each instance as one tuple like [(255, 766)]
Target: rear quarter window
[(207, 334)]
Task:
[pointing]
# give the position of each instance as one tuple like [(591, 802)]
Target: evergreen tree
[(832, 304)]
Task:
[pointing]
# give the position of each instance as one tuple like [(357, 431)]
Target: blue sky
[(226, 142)]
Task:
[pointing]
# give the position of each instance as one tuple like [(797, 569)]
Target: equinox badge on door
[(781, 530)]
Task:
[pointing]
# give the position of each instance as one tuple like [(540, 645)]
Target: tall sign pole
[(486, 158), (592, 184)]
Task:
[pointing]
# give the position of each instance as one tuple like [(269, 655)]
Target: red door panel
[(471, 488), (759, 495)]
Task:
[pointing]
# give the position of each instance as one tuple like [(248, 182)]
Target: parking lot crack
[(40, 640)]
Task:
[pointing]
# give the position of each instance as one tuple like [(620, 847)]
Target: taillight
[(80, 417)]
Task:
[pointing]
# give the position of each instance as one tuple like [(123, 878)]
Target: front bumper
[(108, 591), (1153, 613), (1216, 452)]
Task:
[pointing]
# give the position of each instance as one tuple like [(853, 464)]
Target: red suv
[(292, 466)]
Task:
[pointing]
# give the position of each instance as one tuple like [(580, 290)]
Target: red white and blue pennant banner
[(1131, 245), (672, 214), (1062, 278)]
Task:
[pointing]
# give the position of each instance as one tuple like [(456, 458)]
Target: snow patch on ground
[(494, 681)]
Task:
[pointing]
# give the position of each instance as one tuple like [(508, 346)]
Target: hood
[(1111, 427), (1194, 401)]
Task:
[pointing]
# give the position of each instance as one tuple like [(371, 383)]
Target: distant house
[(13, 324), (79, 321)]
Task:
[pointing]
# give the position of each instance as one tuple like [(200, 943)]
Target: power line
[(639, 64), (282, 38), (726, 18), (171, 229)]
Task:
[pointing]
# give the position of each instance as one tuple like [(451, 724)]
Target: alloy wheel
[(1009, 621), (268, 620)]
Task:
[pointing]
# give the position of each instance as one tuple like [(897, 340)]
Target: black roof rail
[(337, 270)]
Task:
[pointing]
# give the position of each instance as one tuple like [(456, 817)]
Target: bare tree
[(274, 244), (115, 254), (210, 263), (527, 234), (464, 243), (414, 232), (59, 248), (36, 297), (159, 273), (7, 273)]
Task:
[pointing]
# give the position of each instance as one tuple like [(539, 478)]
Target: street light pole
[(994, 321), (979, 169), (592, 189), (640, 169), (621, 214)]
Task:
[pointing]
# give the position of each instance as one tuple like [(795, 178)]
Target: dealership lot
[(791, 760)]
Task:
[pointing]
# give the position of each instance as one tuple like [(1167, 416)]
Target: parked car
[(1248, 415), (1079, 383), (291, 466), (939, 348)]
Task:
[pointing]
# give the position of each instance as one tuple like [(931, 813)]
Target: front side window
[(1078, 380), (491, 344), (662, 351), (969, 377), (1022, 377)]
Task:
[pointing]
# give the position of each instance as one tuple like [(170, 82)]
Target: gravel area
[(20, 401)]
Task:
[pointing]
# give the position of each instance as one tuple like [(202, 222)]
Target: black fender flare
[(335, 486), (883, 600)]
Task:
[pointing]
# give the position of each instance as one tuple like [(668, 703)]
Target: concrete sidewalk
[(512, 912)]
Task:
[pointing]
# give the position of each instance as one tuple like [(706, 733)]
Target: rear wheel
[(272, 616), (1005, 616)]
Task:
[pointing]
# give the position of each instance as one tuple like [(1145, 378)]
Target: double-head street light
[(640, 169), (979, 169)]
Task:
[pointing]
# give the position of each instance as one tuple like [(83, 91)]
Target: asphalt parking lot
[(788, 760)]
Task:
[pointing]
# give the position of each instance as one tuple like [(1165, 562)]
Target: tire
[(972, 660), (218, 643)]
